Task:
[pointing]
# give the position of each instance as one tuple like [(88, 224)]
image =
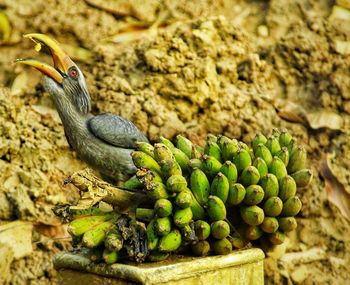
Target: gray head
[(64, 81), (72, 88)]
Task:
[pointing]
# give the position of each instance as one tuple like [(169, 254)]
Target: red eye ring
[(73, 73)]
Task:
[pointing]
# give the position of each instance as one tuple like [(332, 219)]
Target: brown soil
[(233, 67)]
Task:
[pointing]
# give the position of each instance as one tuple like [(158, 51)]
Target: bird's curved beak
[(61, 60)]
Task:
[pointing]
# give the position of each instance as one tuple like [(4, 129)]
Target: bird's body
[(105, 141)]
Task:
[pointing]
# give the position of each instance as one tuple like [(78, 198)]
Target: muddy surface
[(232, 67)]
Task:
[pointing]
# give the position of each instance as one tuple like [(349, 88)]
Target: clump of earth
[(233, 68)]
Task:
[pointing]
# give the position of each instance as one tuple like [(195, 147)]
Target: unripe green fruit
[(152, 237), (283, 155), (269, 225), (162, 152), (221, 139), (285, 138), (188, 233), (236, 194), (293, 145), (144, 214), (302, 177), (162, 226), (288, 188), (81, 225), (132, 183), (96, 236), (170, 168), (229, 149), (110, 257), (273, 206), (263, 152), (220, 187), (182, 216), (201, 248), (202, 229), (181, 158), (170, 242), (196, 163), (184, 144), (254, 195), (197, 210), (253, 233), (216, 209), (211, 165), (259, 139), (278, 168), (297, 160), (167, 143), (287, 224), (141, 159), (230, 171), (220, 229), (250, 176), (270, 185), (243, 145), (252, 215), (261, 166), (212, 149), (163, 208), (176, 183), (212, 138), (276, 133), (200, 186), (221, 246), (273, 145), (242, 160), (158, 191), (148, 177), (291, 207), (114, 240), (277, 238), (183, 199)]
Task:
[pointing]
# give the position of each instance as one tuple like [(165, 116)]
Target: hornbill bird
[(104, 141)]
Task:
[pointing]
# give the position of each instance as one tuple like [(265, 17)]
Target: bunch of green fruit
[(220, 196), (108, 236), (209, 199)]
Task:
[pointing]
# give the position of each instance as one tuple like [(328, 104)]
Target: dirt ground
[(231, 67)]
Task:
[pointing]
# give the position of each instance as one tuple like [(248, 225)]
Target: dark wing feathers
[(115, 130)]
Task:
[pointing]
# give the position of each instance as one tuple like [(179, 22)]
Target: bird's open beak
[(61, 60)]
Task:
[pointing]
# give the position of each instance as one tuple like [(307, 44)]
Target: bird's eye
[(73, 73)]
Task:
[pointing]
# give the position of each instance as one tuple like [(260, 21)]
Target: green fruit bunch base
[(207, 200)]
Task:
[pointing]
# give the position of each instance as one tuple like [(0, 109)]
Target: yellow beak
[(61, 60)]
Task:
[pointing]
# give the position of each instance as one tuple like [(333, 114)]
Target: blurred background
[(190, 67)]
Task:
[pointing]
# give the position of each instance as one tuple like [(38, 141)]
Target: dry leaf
[(134, 35), (5, 28), (52, 231), (18, 236), (115, 7), (335, 190), (290, 111), (324, 119)]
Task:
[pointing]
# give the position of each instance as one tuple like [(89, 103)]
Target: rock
[(300, 274), (6, 259), (18, 237)]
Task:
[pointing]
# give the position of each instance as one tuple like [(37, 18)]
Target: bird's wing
[(115, 130)]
